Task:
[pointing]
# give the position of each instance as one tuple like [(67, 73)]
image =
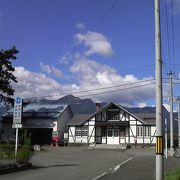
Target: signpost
[(17, 117)]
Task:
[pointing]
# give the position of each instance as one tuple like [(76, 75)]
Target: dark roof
[(121, 107), (149, 118), (81, 118), (78, 119), (40, 110)]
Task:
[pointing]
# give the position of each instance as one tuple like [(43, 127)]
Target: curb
[(20, 167)]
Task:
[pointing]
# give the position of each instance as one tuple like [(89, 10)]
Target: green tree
[(6, 74)]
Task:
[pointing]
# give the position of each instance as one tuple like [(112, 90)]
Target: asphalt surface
[(80, 163), (67, 163), (141, 167)]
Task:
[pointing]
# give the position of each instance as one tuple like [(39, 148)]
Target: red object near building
[(55, 139)]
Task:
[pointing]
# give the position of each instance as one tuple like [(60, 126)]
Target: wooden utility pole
[(178, 100), (171, 115)]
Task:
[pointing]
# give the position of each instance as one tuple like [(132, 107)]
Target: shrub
[(7, 151), (24, 154)]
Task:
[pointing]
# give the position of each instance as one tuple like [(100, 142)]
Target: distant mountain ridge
[(78, 106), (87, 106)]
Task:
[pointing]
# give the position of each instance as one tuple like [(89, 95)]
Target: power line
[(105, 15), (143, 68), (172, 26), (119, 90), (167, 33), (164, 60), (91, 90), (100, 20)]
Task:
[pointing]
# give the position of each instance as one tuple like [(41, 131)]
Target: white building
[(112, 124)]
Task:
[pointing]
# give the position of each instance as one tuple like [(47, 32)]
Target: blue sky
[(65, 47)]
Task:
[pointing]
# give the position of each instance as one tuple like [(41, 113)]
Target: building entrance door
[(112, 136)]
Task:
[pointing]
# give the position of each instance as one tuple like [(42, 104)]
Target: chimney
[(98, 106)]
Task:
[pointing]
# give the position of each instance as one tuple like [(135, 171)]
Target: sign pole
[(16, 147), (17, 117)]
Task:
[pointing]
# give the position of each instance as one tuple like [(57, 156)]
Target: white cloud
[(142, 104), (45, 68), (50, 70), (66, 58), (80, 26), (88, 75), (93, 75), (31, 84), (96, 42)]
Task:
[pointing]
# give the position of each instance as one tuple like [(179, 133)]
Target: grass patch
[(24, 154), (6, 151), (173, 175)]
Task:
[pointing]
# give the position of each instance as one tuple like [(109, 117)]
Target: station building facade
[(112, 124)]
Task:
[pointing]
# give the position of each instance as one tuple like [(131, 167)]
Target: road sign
[(16, 125), (17, 110)]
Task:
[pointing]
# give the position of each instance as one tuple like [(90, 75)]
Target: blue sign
[(18, 100), (17, 110)]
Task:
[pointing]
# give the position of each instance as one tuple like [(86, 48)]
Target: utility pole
[(178, 100), (159, 118), (166, 150), (171, 115)]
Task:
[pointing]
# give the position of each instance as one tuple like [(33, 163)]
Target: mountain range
[(87, 106)]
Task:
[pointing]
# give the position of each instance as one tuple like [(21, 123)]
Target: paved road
[(141, 167), (67, 163)]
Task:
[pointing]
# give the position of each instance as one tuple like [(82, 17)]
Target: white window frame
[(84, 131), (146, 131), (139, 131), (78, 131)]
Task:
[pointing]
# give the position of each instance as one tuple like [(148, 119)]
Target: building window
[(146, 131), (78, 131), (103, 132), (113, 115), (109, 133), (116, 133), (84, 131), (140, 131)]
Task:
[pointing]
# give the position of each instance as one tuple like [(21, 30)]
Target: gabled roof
[(40, 110), (82, 119), (78, 119), (149, 118), (111, 103)]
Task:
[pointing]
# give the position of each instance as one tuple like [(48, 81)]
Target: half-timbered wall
[(84, 133), (131, 129)]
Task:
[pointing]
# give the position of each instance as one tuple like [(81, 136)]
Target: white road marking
[(112, 170), (101, 175), (121, 164)]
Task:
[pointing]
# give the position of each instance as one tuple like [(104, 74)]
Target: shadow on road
[(51, 166)]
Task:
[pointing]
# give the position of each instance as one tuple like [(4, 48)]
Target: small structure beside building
[(41, 120), (111, 124)]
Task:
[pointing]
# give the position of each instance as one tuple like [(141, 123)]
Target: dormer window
[(113, 115)]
